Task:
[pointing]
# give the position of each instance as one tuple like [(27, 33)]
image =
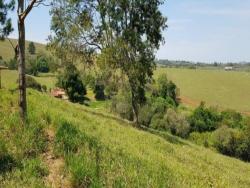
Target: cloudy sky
[(198, 30)]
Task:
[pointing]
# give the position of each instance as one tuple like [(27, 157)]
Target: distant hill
[(6, 50)]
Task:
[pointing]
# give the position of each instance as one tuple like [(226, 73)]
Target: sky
[(198, 30)]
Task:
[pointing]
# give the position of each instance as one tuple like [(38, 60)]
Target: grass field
[(116, 153), (7, 52), (215, 87)]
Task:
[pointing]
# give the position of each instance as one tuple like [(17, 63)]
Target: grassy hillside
[(100, 150), (6, 50), (215, 87)]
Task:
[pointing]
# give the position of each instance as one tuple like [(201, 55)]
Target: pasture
[(215, 87), (7, 52)]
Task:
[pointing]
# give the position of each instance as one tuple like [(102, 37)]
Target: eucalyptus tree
[(5, 21), (24, 7), (126, 32)]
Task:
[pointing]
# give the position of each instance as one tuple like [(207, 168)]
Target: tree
[(166, 89), (130, 30), (6, 28), (5, 22), (32, 48), (71, 82), (22, 13)]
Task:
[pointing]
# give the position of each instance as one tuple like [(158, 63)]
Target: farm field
[(127, 156), (215, 87)]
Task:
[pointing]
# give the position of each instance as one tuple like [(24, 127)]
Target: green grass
[(9, 79), (7, 52), (215, 87), (108, 152)]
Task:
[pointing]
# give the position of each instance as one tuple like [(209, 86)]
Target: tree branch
[(28, 9), (11, 43)]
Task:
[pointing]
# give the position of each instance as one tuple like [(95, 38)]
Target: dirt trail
[(56, 178)]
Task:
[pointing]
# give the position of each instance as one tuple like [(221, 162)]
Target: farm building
[(59, 93), (228, 68)]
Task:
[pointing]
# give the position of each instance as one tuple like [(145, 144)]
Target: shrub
[(121, 104), (232, 118), (32, 83), (157, 122), (225, 140), (71, 82), (160, 105), (155, 107), (13, 64), (204, 119), (32, 48), (145, 115), (42, 64), (203, 139), (31, 66), (177, 123), (167, 89), (44, 88), (99, 92)]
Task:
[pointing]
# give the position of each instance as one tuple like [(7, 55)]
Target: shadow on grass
[(7, 163), (167, 136)]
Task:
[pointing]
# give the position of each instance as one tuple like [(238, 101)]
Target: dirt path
[(56, 178), (189, 102)]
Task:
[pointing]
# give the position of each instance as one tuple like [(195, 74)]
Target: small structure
[(59, 93), (1, 68), (228, 68)]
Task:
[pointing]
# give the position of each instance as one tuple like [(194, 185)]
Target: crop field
[(215, 87)]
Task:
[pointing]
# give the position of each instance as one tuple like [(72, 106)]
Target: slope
[(7, 52), (120, 155)]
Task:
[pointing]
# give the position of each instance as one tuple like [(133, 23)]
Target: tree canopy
[(126, 33), (5, 22)]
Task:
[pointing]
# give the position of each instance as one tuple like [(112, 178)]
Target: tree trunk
[(134, 108), (21, 65)]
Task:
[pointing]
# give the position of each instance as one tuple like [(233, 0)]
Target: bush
[(32, 83), (44, 88), (145, 115), (31, 67), (42, 64), (232, 118), (157, 122), (99, 92), (71, 82), (32, 48), (167, 89), (121, 104), (154, 105), (204, 119), (225, 140), (13, 64), (203, 139), (177, 123)]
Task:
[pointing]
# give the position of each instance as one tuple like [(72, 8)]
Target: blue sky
[(198, 30)]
